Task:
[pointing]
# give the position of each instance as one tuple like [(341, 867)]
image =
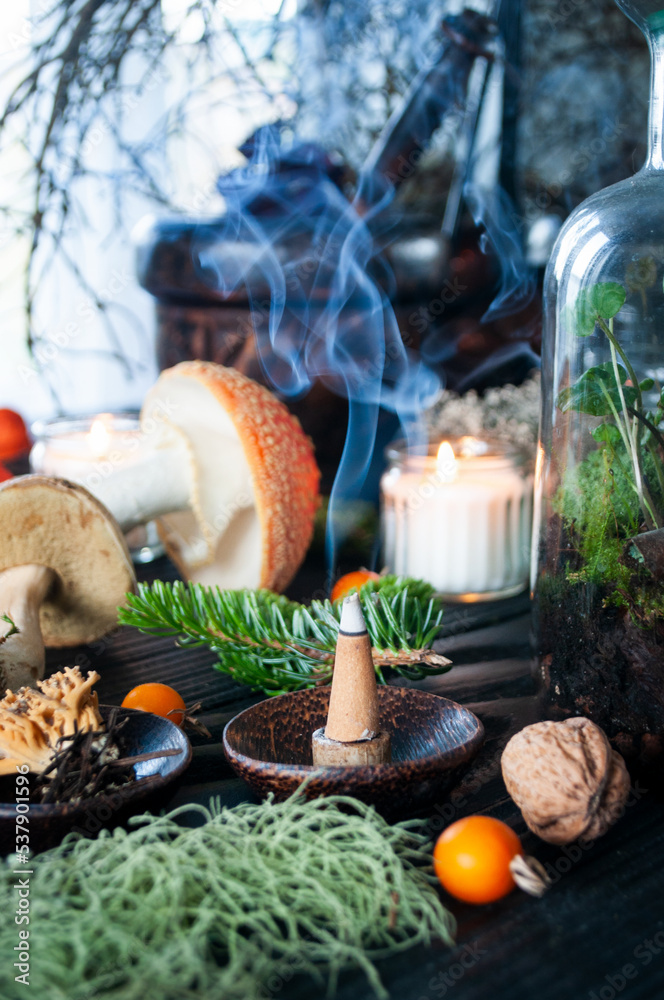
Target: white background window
[(191, 116)]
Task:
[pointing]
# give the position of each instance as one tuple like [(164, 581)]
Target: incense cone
[(352, 734)]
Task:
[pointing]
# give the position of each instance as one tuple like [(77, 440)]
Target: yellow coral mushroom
[(33, 721)]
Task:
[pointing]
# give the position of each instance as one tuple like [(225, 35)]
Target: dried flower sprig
[(509, 414)]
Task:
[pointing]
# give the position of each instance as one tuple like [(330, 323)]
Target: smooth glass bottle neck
[(655, 159)]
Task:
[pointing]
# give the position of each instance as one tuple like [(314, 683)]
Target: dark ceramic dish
[(48, 824), (433, 740)]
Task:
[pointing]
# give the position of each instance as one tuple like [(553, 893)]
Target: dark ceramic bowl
[(433, 741), (48, 824)]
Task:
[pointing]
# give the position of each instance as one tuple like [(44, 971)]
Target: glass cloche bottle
[(598, 548)]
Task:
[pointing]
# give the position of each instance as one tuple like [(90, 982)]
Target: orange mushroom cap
[(282, 469)]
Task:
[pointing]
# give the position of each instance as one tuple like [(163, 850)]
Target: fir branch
[(13, 628), (270, 643)]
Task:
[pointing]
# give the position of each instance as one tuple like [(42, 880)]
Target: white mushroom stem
[(22, 591), (160, 482), (194, 477)]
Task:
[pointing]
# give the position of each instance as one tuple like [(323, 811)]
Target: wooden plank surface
[(599, 932)]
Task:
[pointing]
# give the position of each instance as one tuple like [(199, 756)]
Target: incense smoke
[(329, 315), (319, 291), (494, 212), (311, 261), (312, 266)]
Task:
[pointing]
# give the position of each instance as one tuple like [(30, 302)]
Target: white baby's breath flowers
[(509, 414)]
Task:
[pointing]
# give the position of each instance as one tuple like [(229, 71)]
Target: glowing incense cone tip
[(352, 619)]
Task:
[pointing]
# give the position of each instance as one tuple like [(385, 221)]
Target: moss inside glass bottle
[(599, 584)]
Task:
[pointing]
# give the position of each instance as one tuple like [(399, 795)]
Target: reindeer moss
[(255, 894)]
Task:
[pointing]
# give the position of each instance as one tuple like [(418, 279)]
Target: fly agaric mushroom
[(64, 569), (229, 474)]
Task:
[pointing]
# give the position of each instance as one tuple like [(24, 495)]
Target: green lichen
[(233, 907)]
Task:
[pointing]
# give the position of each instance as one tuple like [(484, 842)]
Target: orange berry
[(351, 581), (14, 438), (472, 859), (160, 699)]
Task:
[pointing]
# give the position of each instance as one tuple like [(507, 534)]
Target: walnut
[(565, 779)]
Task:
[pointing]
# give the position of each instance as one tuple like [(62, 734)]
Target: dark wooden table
[(599, 932)]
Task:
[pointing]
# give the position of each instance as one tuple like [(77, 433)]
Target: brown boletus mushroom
[(228, 473), (64, 569)]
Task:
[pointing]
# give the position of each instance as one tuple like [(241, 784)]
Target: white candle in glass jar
[(89, 450), (86, 450), (459, 517)]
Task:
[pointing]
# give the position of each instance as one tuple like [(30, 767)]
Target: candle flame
[(446, 462), (99, 435)]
